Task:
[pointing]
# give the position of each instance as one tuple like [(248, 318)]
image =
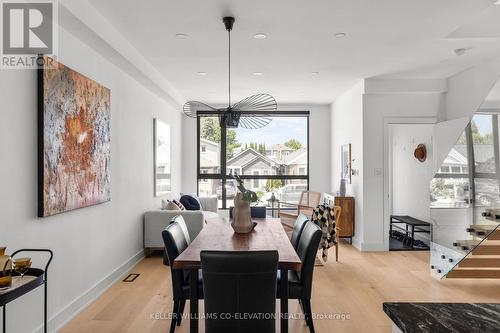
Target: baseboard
[(373, 247), (64, 316)]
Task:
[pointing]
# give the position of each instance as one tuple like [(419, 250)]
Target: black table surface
[(409, 220), (445, 317)]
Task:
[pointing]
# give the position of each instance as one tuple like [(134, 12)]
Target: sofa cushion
[(190, 202)]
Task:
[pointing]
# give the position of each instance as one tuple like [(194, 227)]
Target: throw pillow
[(172, 206), (190, 202), (194, 195), (178, 204)]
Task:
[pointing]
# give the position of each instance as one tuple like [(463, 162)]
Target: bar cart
[(33, 279)]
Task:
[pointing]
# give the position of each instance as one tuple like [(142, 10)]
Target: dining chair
[(176, 241), (337, 211), (184, 228), (239, 284), (300, 222), (307, 202), (300, 283)]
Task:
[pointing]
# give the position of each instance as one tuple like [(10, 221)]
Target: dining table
[(217, 234)]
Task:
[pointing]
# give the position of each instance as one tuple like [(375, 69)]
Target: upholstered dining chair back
[(175, 241), (179, 219), (300, 222), (307, 249), (239, 284)]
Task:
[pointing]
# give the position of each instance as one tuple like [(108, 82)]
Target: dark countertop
[(445, 317)]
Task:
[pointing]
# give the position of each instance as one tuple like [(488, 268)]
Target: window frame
[(223, 176)]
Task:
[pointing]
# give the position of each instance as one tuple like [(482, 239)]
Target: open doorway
[(408, 197)]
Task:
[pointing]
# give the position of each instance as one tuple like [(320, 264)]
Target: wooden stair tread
[(471, 273), (487, 248)]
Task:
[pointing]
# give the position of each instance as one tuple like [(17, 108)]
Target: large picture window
[(470, 174), (271, 160)]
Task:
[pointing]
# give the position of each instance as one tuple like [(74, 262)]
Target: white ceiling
[(385, 38)]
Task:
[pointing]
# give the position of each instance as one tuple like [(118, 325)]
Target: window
[(470, 174), (272, 159)]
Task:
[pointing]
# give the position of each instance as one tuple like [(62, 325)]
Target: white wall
[(347, 127), (380, 109), (319, 142), (92, 246)]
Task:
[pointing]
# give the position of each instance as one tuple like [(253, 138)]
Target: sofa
[(155, 221)]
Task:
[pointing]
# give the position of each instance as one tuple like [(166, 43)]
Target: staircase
[(475, 258)]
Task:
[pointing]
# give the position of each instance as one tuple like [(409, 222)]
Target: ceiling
[(384, 38)]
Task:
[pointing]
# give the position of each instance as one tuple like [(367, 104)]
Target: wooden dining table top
[(218, 235)]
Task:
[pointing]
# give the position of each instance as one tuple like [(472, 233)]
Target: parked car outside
[(291, 193), (230, 190)]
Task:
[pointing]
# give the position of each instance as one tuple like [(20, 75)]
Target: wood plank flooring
[(355, 286)]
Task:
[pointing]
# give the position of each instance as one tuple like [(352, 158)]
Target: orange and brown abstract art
[(75, 147)]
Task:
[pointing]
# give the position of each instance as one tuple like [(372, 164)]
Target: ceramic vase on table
[(242, 219), (342, 188), (5, 269)]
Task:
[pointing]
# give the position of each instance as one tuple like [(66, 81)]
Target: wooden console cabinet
[(346, 223)]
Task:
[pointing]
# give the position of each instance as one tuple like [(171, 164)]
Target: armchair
[(308, 201)]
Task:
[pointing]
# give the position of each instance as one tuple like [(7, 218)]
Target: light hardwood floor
[(357, 285)]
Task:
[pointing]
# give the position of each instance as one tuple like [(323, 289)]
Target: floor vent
[(131, 277)]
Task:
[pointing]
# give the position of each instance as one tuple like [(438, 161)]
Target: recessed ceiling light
[(260, 35), (315, 73), (459, 52), (183, 36), (202, 73), (340, 35), (258, 73)]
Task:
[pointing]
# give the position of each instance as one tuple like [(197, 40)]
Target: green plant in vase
[(248, 195), (242, 220)]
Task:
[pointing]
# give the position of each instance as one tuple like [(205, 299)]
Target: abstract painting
[(74, 140), (162, 164)]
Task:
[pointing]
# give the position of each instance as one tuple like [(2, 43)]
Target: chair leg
[(175, 311), (337, 251), (301, 306), (182, 304), (304, 311), (307, 305)]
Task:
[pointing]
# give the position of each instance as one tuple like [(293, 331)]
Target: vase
[(342, 188), (242, 219), (5, 269)]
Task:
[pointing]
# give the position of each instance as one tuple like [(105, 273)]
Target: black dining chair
[(176, 241), (300, 283), (239, 284), (300, 222), (182, 224)]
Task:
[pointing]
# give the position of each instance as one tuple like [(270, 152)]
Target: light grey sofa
[(156, 221)]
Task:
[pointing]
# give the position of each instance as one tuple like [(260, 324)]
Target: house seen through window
[(272, 159)]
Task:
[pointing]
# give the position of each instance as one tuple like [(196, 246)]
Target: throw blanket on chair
[(323, 216)]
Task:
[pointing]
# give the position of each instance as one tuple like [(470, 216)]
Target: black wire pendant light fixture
[(239, 114)]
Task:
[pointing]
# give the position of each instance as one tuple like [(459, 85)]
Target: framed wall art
[(74, 140), (162, 158), (345, 160)]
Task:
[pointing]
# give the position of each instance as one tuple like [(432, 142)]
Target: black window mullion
[(471, 165), (494, 119), (223, 155)]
